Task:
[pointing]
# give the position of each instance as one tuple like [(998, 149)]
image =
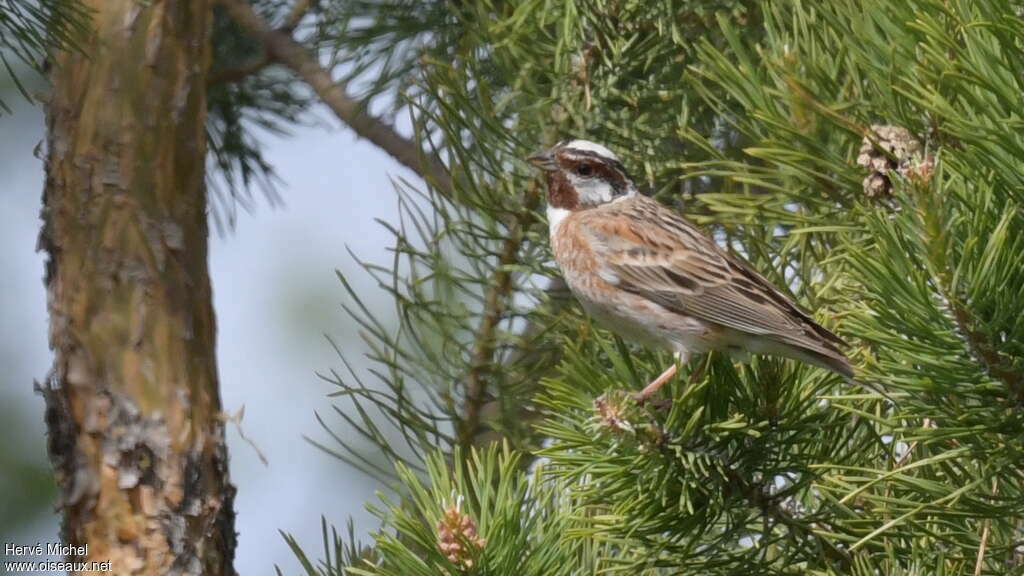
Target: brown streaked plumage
[(653, 277)]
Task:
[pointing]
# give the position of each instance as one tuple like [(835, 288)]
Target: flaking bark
[(132, 402)]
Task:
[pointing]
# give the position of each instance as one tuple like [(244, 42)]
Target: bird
[(649, 275)]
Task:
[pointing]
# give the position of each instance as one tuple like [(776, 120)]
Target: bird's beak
[(545, 161)]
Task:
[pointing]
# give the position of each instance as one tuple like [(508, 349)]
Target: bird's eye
[(584, 169)]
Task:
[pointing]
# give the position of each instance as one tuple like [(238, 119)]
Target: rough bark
[(136, 433)]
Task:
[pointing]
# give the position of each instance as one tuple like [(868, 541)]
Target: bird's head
[(582, 174)]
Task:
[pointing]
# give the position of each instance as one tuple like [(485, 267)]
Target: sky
[(277, 297)]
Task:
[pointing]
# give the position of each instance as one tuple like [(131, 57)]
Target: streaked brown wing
[(648, 250)]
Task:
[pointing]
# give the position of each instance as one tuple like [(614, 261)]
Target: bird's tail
[(837, 362), (832, 360), (816, 353)]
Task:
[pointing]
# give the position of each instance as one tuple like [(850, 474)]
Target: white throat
[(555, 218)]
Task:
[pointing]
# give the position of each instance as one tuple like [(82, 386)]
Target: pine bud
[(610, 413)]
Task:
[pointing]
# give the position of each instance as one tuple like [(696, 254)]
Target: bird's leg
[(657, 383)]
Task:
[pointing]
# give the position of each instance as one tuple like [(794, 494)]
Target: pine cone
[(891, 148), (457, 536)]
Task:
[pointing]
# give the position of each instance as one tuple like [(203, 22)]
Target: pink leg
[(656, 384)]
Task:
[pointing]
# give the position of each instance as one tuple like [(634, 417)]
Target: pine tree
[(864, 155)]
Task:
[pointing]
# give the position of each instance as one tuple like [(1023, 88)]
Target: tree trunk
[(133, 408)]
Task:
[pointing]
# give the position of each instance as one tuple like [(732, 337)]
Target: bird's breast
[(576, 259), (629, 315)]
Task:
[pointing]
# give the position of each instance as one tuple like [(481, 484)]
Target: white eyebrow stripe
[(588, 146)]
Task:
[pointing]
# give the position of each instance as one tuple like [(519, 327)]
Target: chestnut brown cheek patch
[(561, 193)]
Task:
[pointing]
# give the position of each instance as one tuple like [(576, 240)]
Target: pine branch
[(31, 30), (495, 304), (771, 509), (983, 351), (282, 48), (240, 72), (976, 341), (296, 14)]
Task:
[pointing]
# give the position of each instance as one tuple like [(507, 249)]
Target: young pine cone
[(890, 148), (457, 536)]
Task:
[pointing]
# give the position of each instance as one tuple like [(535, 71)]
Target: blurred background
[(277, 298)]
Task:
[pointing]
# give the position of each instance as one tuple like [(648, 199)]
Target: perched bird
[(651, 276)]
